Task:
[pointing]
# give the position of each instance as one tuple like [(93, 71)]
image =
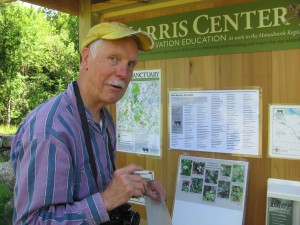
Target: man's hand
[(155, 190), (123, 186)]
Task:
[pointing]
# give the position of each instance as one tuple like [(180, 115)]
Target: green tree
[(10, 58), (38, 57), (64, 23)]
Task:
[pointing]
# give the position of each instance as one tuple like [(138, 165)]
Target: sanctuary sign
[(262, 25)]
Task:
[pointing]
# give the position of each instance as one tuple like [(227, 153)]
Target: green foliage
[(197, 185), (185, 186), (8, 129), (209, 193), (238, 173), (223, 189), (38, 57), (4, 158), (236, 194), (198, 167), (64, 23), (226, 170), (10, 57), (211, 176), (5, 195), (186, 167)]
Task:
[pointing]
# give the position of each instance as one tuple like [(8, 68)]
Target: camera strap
[(86, 132), (124, 215)]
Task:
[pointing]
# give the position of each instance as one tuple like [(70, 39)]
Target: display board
[(225, 121), (210, 191), (284, 131), (283, 202), (138, 115)]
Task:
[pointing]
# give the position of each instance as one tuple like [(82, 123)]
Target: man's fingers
[(130, 169), (155, 190), (137, 193)]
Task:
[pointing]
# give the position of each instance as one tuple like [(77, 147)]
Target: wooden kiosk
[(276, 72)]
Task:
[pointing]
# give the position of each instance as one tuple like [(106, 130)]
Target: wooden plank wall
[(275, 72)]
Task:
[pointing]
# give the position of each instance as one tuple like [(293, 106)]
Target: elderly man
[(63, 153)]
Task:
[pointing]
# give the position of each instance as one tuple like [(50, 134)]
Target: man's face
[(110, 70)]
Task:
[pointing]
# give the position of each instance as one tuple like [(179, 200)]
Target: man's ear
[(85, 53)]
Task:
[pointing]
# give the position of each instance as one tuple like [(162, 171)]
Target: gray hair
[(94, 46)]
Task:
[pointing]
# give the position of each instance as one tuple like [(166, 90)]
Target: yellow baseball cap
[(114, 31)]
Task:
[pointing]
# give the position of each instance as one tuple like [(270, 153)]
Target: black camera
[(123, 215)]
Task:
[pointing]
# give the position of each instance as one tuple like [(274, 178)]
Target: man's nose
[(123, 70)]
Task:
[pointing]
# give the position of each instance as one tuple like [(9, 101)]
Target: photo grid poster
[(138, 121), (209, 187)]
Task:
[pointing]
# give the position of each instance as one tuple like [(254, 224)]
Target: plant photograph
[(186, 167), (281, 205), (211, 176), (197, 185), (236, 194), (185, 186), (238, 173), (209, 193), (223, 189), (225, 170), (198, 168)]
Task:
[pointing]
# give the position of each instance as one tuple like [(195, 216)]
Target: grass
[(8, 130)]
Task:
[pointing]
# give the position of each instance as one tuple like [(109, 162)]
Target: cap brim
[(145, 42)]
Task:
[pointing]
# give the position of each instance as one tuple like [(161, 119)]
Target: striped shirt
[(54, 181)]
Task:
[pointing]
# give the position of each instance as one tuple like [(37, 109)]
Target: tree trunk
[(8, 111)]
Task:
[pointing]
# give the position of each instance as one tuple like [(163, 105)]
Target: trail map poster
[(207, 187), (225, 121), (138, 115), (284, 139)]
